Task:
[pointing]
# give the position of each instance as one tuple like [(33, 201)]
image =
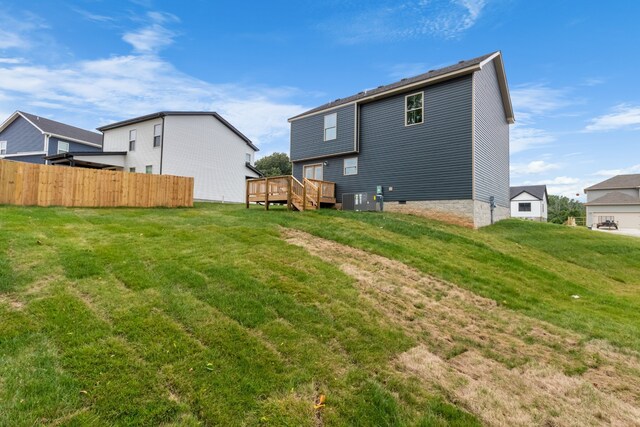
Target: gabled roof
[(254, 169), (537, 191), (615, 198), (179, 113), (430, 77), (617, 182), (57, 129)]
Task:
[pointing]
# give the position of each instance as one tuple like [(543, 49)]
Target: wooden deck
[(310, 194)]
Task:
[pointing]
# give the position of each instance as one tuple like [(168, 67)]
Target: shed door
[(313, 171)]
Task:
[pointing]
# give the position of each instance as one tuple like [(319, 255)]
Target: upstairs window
[(414, 109), (3, 147), (524, 207), (330, 126), (63, 147), (157, 135), (350, 166), (247, 158), (132, 140)]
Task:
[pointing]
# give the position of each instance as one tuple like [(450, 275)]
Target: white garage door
[(624, 220)]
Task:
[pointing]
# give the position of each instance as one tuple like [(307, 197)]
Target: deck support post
[(304, 195), (247, 195), (266, 193), (289, 185)]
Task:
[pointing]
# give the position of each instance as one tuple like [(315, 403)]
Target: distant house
[(529, 202), (437, 141), (202, 145), (617, 199), (30, 138)]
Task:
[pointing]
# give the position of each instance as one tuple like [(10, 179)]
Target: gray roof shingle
[(615, 198), (404, 82), (537, 191), (617, 182), (64, 130)]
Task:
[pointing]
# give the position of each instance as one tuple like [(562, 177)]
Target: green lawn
[(207, 316)]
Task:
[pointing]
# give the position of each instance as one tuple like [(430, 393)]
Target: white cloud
[(9, 40), (12, 60), (154, 36), (622, 171), (524, 138), (536, 99), (95, 92), (408, 19), (532, 168), (623, 116)]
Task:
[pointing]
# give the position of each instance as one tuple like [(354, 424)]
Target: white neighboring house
[(202, 145), (616, 199), (529, 202)]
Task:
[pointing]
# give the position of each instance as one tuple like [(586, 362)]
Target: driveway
[(625, 231)]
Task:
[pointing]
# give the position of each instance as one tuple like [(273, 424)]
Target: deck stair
[(310, 194)]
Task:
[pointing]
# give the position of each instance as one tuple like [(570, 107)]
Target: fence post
[(247, 195), (266, 193)]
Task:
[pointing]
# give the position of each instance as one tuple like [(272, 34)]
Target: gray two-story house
[(30, 138), (437, 141)]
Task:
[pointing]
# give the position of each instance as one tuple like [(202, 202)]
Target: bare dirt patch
[(506, 368)]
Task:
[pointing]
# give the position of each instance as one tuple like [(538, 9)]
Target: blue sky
[(572, 66)]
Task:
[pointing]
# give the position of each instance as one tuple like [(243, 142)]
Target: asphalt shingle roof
[(615, 198), (64, 130), (618, 181), (404, 82), (537, 191)]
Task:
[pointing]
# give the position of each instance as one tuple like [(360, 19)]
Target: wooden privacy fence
[(27, 184)]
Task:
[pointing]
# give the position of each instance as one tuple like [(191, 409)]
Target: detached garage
[(616, 199)]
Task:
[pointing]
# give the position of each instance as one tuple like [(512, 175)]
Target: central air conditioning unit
[(360, 202)]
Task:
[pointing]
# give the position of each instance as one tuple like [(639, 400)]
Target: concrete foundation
[(473, 213)]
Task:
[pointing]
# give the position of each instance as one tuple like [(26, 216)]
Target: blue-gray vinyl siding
[(73, 146), (307, 135), (428, 161), (37, 159), (491, 134), (22, 137)]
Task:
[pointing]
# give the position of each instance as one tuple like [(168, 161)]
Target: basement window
[(3, 147), (524, 207), (132, 140), (157, 135), (414, 109), (330, 126), (63, 147)]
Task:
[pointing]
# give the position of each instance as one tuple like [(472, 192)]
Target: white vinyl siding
[(350, 166), (144, 153), (3, 148), (330, 127), (63, 147)]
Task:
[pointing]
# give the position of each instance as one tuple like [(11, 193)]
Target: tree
[(274, 165), (561, 208)]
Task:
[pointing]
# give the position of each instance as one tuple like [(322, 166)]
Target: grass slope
[(207, 316)]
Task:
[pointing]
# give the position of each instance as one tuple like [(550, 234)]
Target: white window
[(247, 158), (148, 169), (524, 207), (157, 135), (132, 140), (132, 170), (313, 171), (350, 166), (414, 109), (330, 126), (3, 147), (63, 147)]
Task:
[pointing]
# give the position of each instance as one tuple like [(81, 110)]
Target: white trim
[(390, 92), (24, 153), (324, 156), (489, 59), (415, 109), (79, 141)]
